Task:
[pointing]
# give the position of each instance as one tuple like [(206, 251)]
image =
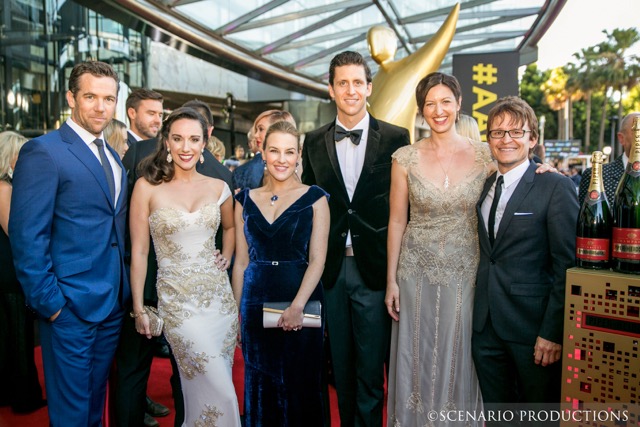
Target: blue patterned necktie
[(106, 166)]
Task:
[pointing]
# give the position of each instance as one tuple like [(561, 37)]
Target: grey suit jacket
[(521, 278)]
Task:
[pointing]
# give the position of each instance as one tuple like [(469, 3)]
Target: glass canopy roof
[(290, 42)]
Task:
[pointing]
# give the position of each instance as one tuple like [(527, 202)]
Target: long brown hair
[(155, 167)]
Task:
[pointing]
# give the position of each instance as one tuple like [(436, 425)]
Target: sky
[(580, 24)]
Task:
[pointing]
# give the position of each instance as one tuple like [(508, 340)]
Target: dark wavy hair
[(348, 58), (142, 94), (155, 167), (95, 68), (435, 79)]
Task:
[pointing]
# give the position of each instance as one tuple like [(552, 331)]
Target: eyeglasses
[(513, 133)]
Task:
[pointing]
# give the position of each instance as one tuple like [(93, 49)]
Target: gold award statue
[(393, 96)]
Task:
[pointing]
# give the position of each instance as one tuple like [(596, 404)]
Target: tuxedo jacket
[(521, 278), (131, 160), (611, 172), (250, 174), (367, 214), (66, 234)]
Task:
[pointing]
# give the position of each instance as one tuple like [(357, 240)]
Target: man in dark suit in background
[(144, 110), (251, 173), (350, 158), (612, 172), (67, 236), (136, 351), (526, 229)]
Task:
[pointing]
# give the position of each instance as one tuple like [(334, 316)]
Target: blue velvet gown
[(282, 369)]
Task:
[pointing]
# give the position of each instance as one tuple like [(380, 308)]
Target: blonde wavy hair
[(10, 144)]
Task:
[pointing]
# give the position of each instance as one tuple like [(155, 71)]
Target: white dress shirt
[(88, 139), (511, 180), (351, 158)]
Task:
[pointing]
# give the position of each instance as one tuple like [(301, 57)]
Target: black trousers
[(359, 332), (133, 366)]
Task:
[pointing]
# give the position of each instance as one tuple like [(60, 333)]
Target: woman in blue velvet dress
[(281, 242)]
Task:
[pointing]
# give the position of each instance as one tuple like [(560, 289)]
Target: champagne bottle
[(593, 236), (626, 213)]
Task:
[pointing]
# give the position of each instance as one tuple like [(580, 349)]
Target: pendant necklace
[(446, 175), (274, 198)]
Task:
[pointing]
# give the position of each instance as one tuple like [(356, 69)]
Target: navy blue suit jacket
[(521, 278), (250, 174), (66, 234)]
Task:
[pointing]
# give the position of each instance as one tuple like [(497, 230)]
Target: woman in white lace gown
[(432, 262), (181, 210)]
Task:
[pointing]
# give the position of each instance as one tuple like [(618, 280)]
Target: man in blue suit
[(67, 235), (250, 174)]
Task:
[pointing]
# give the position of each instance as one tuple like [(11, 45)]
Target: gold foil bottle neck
[(596, 184)]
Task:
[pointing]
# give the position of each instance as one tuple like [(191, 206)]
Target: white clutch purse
[(271, 312)]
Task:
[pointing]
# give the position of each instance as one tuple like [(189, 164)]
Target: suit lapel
[(330, 145), (79, 149), (483, 234), (371, 154), (521, 191)]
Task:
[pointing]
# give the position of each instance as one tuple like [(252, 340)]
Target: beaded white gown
[(200, 314), (431, 365)]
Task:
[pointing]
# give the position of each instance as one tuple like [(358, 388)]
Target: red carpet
[(159, 390)]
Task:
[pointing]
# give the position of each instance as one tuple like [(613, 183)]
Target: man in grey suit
[(612, 172), (350, 158), (526, 230)]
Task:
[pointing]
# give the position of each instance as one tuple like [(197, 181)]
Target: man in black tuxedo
[(612, 172), (144, 110), (350, 158), (526, 230), (135, 352)]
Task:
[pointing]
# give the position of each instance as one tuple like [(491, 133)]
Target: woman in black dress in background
[(19, 386), (281, 242)]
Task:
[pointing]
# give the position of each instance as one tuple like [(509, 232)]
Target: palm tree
[(621, 72), (557, 96), (584, 77)]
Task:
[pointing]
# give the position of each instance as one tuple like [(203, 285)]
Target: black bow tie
[(342, 133)]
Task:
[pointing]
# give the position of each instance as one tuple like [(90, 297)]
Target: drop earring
[(297, 164), (169, 158), (202, 157), (265, 164), (10, 172)]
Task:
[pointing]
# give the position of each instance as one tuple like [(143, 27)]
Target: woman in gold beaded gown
[(181, 210), (432, 262)]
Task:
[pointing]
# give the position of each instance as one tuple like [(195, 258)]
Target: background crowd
[(409, 248)]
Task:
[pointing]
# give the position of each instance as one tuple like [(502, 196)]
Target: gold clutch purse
[(271, 312), (155, 321)]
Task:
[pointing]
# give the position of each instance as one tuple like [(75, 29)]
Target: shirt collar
[(362, 124), (134, 135), (515, 174), (84, 134)]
